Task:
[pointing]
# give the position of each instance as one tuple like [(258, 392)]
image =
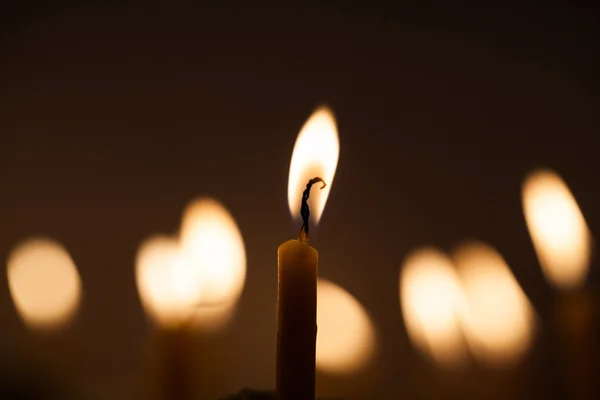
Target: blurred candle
[(46, 290), (212, 243), (315, 154), (562, 241), (346, 344), (431, 299), (432, 304), (498, 322), (169, 288), (44, 283), (192, 283)]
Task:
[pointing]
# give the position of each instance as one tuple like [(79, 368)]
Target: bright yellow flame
[(44, 283), (432, 301), (345, 333), (316, 153), (559, 232), (168, 287), (499, 321), (213, 245)]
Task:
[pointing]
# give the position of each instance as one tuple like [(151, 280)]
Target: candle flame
[(558, 230), (315, 154), (212, 243), (167, 286), (432, 301), (499, 322), (345, 333), (44, 283)]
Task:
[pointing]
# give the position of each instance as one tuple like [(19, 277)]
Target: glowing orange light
[(559, 232), (345, 333), (44, 283), (432, 303), (168, 287), (316, 153), (499, 322), (212, 244)]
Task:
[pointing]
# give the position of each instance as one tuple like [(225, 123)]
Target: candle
[(562, 241), (188, 285), (168, 289), (46, 290), (498, 323), (315, 153), (432, 302)]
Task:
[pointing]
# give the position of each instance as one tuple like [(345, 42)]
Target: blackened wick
[(304, 210)]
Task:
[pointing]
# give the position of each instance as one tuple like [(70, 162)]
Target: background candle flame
[(432, 301), (345, 333), (499, 320), (558, 230), (315, 153), (213, 244), (167, 286), (44, 283), (198, 276)]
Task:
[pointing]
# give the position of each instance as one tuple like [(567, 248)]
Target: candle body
[(577, 326), (297, 321)]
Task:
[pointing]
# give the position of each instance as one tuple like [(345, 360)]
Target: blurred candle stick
[(562, 241), (315, 154)]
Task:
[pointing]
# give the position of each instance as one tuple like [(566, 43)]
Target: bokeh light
[(168, 287), (559, 232), (432, 302), (44, 283), (345, 333), (213, 245), (499, 322)]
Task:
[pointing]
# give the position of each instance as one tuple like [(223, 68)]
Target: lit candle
[(46, 290), (432, 303), (562, 241), (168, 289), (315, 153), (188, 284)]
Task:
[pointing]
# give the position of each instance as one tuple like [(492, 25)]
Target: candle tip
[(305, 211)]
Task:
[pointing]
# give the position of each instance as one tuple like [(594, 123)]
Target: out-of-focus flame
[(315, 154), (169, 287), (212, 244), (499, 323), (432, 303), (345, 333), (559, 232), (44, 283)]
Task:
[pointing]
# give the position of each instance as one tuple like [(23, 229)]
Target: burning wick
[(305, 211)]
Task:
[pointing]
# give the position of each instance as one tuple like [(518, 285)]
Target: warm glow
[(345, 333), (212, 243), (168, 287), (559, 232), (315, 154), (499, 321), (432, 301), (43, 283)]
